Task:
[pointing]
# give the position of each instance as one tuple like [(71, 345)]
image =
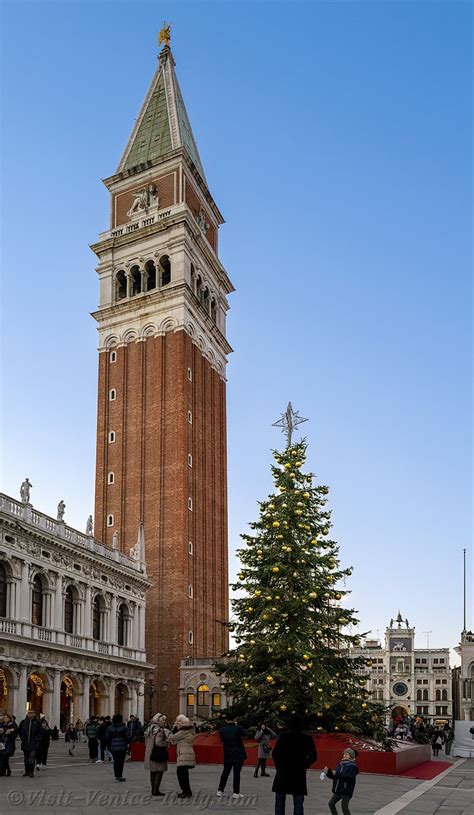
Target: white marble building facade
[(465, 678), (202, 693), (72, 620), (411, 681)]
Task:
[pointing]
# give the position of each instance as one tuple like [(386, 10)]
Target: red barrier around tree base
[(208, 750)]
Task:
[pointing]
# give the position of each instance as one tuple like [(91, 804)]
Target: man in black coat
[(231, 736), (117, 739), (293, 754), (30, 731)]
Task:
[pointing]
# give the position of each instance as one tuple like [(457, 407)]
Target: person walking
[(79, 728), (117, 738), (185, 758), (71, 736), (45, 740), (263, 735), (436, 742), (104, 724), (92, 735), (29, 732), (156, 754), (293, 754), (344, 780), (448, 739), (231, 736), (8, 734)]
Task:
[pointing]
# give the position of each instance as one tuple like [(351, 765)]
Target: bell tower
[(161, 469)]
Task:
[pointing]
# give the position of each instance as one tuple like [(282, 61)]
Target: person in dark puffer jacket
[(117, 739), (344, 780)]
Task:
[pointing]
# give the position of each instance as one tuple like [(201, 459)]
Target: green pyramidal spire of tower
[(163, 124)]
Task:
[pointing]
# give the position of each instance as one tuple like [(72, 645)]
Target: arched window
[(213, 309), (165, 270), (150, 270), (96, 618), (418, 696), (216, 699), (425, 695), (438, 696), (199, 288), (121, 629), (3, 591), (444, 695), (37, 602), (136, 280), (68, 611), (120, 285), (203, 696)]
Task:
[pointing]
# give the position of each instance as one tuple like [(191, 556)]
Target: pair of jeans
[(30, 761), (119, 761), (345, 804), (93, 748), (280, 800), (236, 766), (182, 774)]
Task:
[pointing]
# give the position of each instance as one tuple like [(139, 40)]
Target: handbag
[(159, 754), (266, 748)]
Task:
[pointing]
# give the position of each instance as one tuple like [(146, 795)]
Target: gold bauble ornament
[(327, 705), (364, 705), (282, 707), (264, 616), (257, 593), (275, 569), (268, 597), (276, 524), (249, 609), (292, 475), (324, 490), (299, 504), (279, 537), (298, 511), (306, 656), (313, 594), (325, 531), (246, 684), (338, 596), (294, 453), (271, 506), (287, 466), (298, 463), (277, 596), (259, 551), (270, 679), (314, 541), (306, 495), (252, 642), (331, 681), (284, 506)]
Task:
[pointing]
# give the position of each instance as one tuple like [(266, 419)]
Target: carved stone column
[(113, 621), (21, 695), (56, 700), (87, 623)]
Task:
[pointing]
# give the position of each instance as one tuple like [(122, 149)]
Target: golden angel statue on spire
[(164, 37)]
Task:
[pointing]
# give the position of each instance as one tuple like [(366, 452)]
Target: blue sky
[(336, 141)]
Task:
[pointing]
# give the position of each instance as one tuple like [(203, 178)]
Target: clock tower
[(161, 470)]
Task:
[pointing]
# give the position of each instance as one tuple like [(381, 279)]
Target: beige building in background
[(72, 619), (411, 681)]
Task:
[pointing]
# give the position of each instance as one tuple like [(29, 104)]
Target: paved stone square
[(72, 785)]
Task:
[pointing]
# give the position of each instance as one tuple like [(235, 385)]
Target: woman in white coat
[(185, 758), (156, 738)]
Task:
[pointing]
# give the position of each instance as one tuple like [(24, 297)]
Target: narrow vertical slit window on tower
[(111, 478), (110, 520), (111, 436), (190, 460), (190, 592), (190, 548), (190, 375), (190, 417), (190, 504), (113, 356), (190, 637), (112, 395), (165, 270)]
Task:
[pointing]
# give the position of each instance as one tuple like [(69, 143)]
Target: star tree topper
[(289, 421)]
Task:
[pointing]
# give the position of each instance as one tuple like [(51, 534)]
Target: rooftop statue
[(164, 37), (25, 490)]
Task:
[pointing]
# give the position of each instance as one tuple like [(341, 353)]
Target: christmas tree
[(291, 625)]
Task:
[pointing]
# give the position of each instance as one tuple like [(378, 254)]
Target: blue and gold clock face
[(400, 689)]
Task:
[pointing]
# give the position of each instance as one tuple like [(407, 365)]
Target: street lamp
[(150, 691)]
